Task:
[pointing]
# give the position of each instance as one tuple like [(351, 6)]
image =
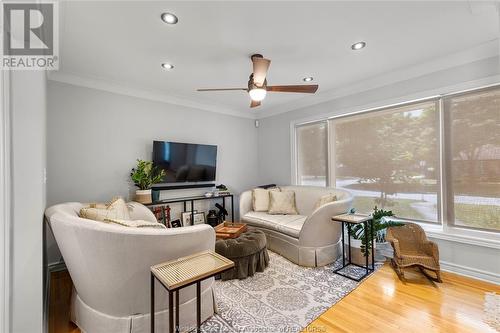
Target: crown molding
[(104, 85), (477, 53)]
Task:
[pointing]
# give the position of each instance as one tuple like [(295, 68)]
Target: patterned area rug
[(284, 298), (492, 310)]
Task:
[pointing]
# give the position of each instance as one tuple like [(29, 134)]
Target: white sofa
[(308, 239), (110, 268)]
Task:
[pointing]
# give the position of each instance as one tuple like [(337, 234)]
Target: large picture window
[(390, 159), (394, 158), (473, 153), (312, 154)]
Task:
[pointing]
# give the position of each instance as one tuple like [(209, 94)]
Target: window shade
[(312, 154), (472, 123), (390, 159)]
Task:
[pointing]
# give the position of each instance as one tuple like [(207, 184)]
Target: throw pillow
[(282, 203), (325, 199), (260, 199), (136, 223), (117, 209)]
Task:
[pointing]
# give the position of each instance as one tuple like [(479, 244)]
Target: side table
[(183, 272), (353, 219)]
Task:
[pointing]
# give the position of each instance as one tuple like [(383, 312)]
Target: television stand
[(192, 199)]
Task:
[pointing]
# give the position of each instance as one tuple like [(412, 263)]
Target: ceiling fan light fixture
[(257, 94), (358, 46), (167, 66), (169, 18)]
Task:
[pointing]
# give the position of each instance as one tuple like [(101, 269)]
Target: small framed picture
[(199, 218), (176, 223), (186, 218)]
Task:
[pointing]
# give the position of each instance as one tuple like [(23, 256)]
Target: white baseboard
[(470, 272)]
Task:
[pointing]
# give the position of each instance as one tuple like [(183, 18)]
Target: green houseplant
[(380, 223), (144, 175)]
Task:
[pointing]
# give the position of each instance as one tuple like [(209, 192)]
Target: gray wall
[(94, 138), (274, 147), (28, 114)]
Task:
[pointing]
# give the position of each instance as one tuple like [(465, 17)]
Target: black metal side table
[(353, 219), (183, 272)]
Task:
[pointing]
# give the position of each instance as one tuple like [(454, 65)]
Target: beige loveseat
[(110, 268), (308, 239)]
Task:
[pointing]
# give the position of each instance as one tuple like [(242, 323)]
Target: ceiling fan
[(257, 84)]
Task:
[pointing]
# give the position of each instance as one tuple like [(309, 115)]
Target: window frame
[(445, 228)]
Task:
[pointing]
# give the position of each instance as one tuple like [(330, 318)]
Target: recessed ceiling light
[(308, 79), (169, 18), (358, 45), (166, 65)]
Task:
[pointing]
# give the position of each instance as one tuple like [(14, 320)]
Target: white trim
[(479, 52), (468, 237), (5, 200), (474, 273), (157, 96), (293, 150)]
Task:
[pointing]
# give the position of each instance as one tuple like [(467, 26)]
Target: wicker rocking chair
[(411, 248)]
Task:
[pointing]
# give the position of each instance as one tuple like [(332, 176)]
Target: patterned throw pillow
[(260, 198), (282, 203), (325, 199), (117, 209), (136, 223)]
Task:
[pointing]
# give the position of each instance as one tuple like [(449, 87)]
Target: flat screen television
[(185, 162)]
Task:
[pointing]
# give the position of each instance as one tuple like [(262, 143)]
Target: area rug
[(492, 310), (284, 298)]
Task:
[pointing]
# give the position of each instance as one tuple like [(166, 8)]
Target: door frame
[(5, 199)]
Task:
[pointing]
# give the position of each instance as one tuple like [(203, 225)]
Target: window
[(472, 123), (390, 159), (312, 154), (394, 158)]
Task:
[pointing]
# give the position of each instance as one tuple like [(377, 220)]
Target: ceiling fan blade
[(220, 89), (254, 104), (260, 67), (304, 88)]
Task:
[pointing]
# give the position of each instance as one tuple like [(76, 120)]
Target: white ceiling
[(124, 42)]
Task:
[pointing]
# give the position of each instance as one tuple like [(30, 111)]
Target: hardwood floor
[(382, 303)]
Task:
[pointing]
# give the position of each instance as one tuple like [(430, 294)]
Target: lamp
[(257, 94)]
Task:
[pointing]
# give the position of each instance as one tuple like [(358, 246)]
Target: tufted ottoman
[(248, 251)]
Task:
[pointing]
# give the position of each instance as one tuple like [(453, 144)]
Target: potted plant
[(380, 224), (144, 175)]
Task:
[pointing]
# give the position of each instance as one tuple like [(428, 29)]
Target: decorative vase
[(143, 196), (155, 195), (212, 218)]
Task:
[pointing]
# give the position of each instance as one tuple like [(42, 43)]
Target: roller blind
[(312, 154), (390, 159), (472, 123)]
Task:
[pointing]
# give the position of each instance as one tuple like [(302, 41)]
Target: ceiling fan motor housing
[(252, 85)]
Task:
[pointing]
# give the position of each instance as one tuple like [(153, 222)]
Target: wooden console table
[(181, 273)]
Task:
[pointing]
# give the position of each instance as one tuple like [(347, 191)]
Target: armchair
[(411, 248), (110, 269)]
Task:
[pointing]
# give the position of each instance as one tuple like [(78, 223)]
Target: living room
[(268, 137)]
